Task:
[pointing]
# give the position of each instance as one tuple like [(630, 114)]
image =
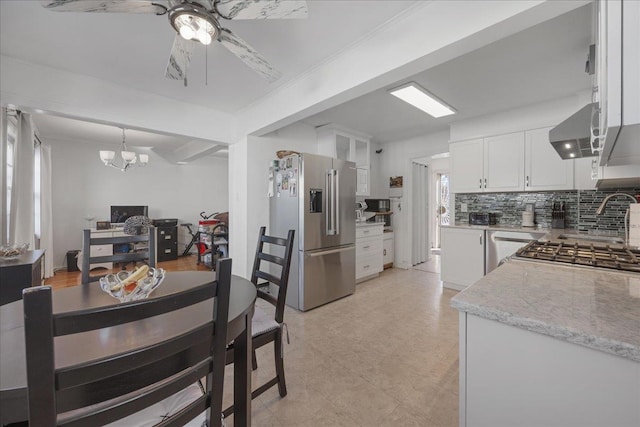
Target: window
[(12, 131)]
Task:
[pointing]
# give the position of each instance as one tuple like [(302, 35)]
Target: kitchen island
[(550, 345)]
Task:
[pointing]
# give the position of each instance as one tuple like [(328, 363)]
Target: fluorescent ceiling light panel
[(415, 95)]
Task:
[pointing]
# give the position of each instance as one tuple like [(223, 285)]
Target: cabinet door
[(362, 181), (462, 252), (344, 147), (387, 252), (544, 168), (583, 169), (467, 169), (504, 162)]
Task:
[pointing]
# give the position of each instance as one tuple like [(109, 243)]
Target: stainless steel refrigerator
[(315, 195)]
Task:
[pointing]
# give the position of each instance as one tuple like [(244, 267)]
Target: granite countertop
[(592, 307)]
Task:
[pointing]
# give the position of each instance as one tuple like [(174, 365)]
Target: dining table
[(13, 378)]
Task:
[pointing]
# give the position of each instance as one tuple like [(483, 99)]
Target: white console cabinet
[(369, 251), (102, 250)]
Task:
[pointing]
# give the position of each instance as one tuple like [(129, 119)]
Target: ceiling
[(538, 64), (541, 63)]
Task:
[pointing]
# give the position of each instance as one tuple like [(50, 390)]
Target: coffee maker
[(360, 208)]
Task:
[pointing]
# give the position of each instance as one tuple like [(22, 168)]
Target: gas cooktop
[(580, 254)]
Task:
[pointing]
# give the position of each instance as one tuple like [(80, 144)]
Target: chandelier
[(129, 158)]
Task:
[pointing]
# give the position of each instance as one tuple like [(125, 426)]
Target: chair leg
[(254, 361), (279, 358)]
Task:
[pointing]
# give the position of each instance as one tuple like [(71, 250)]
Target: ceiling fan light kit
[(194, 23), (198, 21), (129, 158)]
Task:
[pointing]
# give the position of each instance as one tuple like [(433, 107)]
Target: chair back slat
[(102, 317), (266, 276), (95, 370), (283, 263), (111, 387), (148, 254), (271, 258)]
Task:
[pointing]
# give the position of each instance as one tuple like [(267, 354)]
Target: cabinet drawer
[(368, 265), (368, 246), (369, 231)]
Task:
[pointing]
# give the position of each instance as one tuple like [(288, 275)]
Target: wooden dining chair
[(272, 287), (139, 384), (147, 255)]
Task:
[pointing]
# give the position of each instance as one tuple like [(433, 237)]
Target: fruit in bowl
[(134, 285), (13, 251)]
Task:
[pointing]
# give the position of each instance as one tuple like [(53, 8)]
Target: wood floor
[(65, 279)]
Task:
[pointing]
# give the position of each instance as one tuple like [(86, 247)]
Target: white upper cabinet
[(345, 144), (467, 169), (490, 164), (544, 168), (519, 161), (503, 162)]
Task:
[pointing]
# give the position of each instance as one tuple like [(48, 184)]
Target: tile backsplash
[(580, 205)]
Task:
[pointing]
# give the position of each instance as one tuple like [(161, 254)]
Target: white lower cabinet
[(387, 250), (514, 377), (462, 257), (369, 250)]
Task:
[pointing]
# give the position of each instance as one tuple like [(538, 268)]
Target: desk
[(17, 274), (73, 349)]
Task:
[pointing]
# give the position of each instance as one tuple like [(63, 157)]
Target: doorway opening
[(443, 212)]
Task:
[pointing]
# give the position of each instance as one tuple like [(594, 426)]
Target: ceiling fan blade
[(129, 6), (262, 9), (180, 58), (248, 55)]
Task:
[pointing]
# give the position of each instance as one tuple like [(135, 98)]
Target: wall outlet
[(463, 207)]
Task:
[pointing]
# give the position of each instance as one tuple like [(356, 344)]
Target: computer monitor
[(119, 214)]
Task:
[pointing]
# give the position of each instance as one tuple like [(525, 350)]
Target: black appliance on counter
[(483, 218), (382, 210)]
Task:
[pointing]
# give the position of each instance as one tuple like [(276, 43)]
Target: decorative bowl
[(117, 286), (13, 251)]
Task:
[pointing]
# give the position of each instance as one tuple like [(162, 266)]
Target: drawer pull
[(167, 251), (366, 247), (366, 231), (167, 237), (366, 266), (384, 252)]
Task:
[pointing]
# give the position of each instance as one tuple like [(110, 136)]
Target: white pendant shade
[(129, 158), (106, 156)]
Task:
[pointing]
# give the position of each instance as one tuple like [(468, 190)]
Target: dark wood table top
[(29, 257), (76, 348)]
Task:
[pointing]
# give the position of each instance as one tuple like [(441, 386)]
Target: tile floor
[(385, 356)]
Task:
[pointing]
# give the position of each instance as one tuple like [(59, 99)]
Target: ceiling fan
[(198, 21)]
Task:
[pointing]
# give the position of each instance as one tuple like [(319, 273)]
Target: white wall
[(250, 197), (396, 160), (532, 116), (82, 186)]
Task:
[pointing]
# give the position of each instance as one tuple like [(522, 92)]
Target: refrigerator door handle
[(329, 252), (336, 195), (329, 215)]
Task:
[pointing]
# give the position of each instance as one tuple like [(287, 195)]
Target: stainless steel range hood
[(571, 138)]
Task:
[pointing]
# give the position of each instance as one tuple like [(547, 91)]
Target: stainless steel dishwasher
[(501, 244)]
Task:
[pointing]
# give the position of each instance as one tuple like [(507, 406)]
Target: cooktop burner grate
[(604, 256)]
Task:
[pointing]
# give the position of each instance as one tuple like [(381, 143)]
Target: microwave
[(378, 205)]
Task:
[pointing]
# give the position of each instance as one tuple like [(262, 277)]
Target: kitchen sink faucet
[(600, 210)]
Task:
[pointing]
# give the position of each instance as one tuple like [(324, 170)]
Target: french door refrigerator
[(315, 195)]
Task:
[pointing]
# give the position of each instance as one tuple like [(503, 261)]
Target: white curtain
[(46, 210), (21, 227), (420, 223), (4, 238)]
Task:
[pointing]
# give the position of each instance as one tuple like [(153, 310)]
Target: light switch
[(463, 207)]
